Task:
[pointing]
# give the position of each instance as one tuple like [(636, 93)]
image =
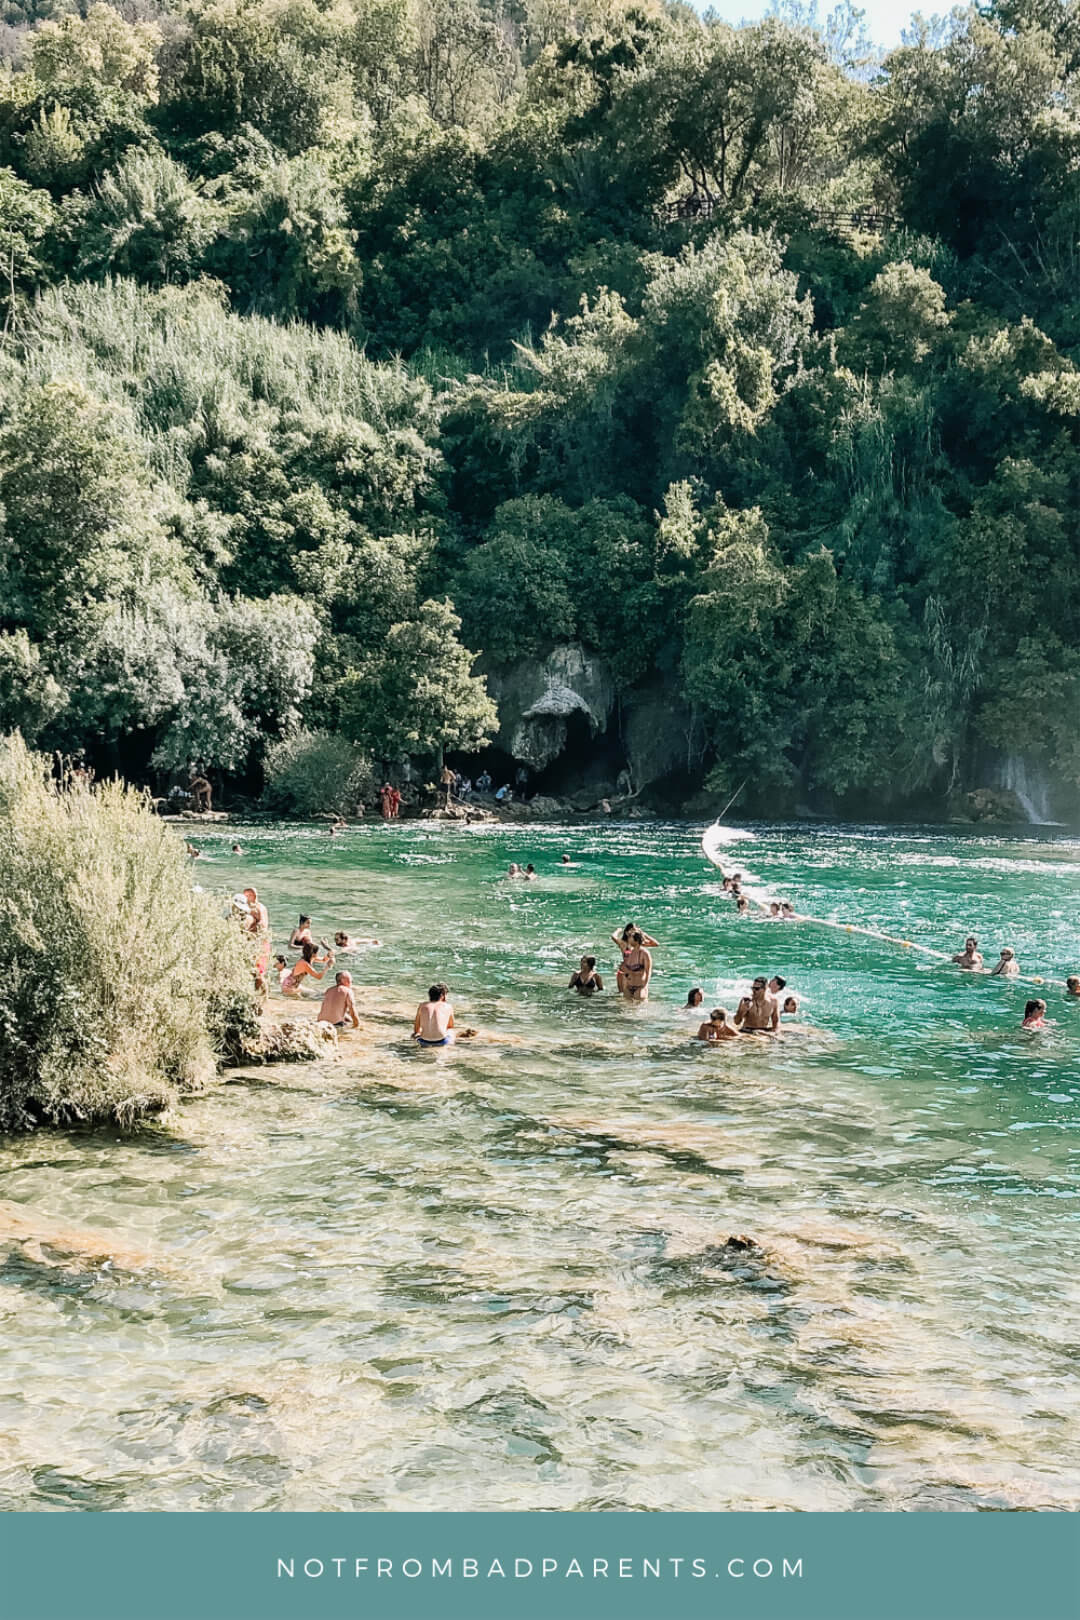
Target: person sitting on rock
[(338, 1006)]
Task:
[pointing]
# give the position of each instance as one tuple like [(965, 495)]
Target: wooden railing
[(698, 206)]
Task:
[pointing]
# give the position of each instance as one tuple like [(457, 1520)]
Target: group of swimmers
[(1007, 967)]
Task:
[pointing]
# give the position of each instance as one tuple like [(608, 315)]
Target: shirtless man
[(257, 922), (758, 1013), (970, 957), (1007, 966), (338, 1006), (717, 1028), (434, 1021), (201, 792), (636, 969), (1072, 985)]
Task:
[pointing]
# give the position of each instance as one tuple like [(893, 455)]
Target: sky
[(885, 19)]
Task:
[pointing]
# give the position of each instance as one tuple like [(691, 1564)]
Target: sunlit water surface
[(495, 1277)]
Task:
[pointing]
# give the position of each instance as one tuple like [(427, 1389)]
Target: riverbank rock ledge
[(290, 1040), (538, 698)]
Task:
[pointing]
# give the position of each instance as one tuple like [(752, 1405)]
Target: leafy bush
[(315, 773), (122, 982)]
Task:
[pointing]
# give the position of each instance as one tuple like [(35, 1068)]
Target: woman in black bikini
[(586, 981)]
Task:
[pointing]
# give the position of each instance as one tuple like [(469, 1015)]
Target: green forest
[(356, 352)]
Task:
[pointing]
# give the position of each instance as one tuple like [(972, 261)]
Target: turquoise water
[(496, 1277)]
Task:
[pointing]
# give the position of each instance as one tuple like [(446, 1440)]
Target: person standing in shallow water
[(636, 969), (586, 981)]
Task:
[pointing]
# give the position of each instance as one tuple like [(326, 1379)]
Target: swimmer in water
[(742, 905), (636, 969), (776, 984), (787, 911), (1007, 966), (530, 872), (1034, 1015), (774, 908), (281, 968), (970, 957), (586, 981), (338, 1005), (434, 1021), (1072, 986), (564, 860), (695, 999), (758, 1013), (622, 940), (301, 934), (718, 1028), (515, 871), (351, 942), (237, 850), (790, 1005)]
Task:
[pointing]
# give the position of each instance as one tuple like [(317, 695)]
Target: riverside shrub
[(122, 983), (315, 773)]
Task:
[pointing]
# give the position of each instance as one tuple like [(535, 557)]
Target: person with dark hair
[(717, 1028), (1072, 985), (970, 957), (695, 999), (623, 940), (305, 968), (742, 905), (434, 1021), (636, 969), (790, 1005), (586, 981), (301, 934), (1034, 1015), (776, 984), (758, 1013)]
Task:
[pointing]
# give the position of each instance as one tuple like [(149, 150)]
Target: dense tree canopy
[(350, 341)]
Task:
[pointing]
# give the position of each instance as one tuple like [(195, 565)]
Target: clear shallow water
[(493, 1278)]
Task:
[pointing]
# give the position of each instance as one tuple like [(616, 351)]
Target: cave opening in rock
[(589, 761)]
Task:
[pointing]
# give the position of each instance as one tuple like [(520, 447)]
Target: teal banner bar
[(573, 1566)]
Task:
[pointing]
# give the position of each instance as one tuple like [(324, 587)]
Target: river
[(498, 1277)]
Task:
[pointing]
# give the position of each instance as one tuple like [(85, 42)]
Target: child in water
[(718, 1028), (1034, 1015)]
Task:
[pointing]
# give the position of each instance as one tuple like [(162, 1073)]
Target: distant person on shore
[(504, 794), (338, 1005), (636, 971), (201, 793), (1072, 986), (385, 800), (1034, 1015), (970, 957), (258, 924), (301, 934), (586, 981), (446, 782), (483, 782), (717, 1028), (624, 940), (395, 804), (1007, 967), (434, 1021), (696, 998), (306, 968), (758, 1013)]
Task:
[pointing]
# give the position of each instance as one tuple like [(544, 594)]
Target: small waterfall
[(1029, 784)]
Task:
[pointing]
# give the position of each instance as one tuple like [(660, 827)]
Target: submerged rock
[(293, 1040)]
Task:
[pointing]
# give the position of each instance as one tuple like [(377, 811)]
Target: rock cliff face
[(537, 698)]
